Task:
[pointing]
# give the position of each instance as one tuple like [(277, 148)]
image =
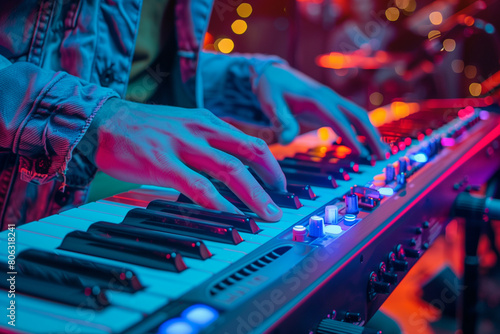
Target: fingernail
[(273, 209)]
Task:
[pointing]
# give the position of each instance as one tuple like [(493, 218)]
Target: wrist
[(90, 141)]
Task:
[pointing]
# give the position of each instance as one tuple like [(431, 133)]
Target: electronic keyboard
[(150, 261)]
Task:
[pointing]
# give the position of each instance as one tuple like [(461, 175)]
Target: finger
[(195, 186), (326, 114), (255, 153), (280, 115), (359, 118), (235, 176)]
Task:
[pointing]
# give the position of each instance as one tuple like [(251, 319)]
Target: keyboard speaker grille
[(249, 269)]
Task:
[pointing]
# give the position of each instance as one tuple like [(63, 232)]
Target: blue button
[(178, 326), (201, 315)]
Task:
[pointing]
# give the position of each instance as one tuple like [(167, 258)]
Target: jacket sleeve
[(229, 82), (43, 116)]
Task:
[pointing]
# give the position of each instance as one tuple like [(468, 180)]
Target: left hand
[(296, 104)]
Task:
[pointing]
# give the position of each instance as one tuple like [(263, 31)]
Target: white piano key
[(32, 321), (92, 215), (155, 280), (209, 265), (111, 208), (54, 317), (140, 301), (226, 254)]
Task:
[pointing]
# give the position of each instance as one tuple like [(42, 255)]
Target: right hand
[(168, 146)]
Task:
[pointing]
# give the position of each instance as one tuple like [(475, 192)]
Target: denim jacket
[(60, 60)]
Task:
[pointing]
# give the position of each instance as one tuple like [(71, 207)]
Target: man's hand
[(296, 103), (169, 147)]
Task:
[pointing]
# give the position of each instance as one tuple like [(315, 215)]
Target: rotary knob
[(376, 287), (330, 326), (390, 173), (299, 233), (316, 227), (351, 204), (395, 263), (387, 276), (403, 165)]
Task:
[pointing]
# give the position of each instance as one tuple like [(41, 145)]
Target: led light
[(333, 229), (386, 191), (447, 142), (200, 314), (349, 218), (489, 28), (484, 115), (177, 326), (420, 157)]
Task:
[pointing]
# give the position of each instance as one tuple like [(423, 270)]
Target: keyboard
[(149, 261)]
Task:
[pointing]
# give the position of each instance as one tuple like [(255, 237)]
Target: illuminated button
[(401, 178), (349, 219), (333, 229), (200, 314), (386, 191), (420, 157), (379, 180), (331, 214), (178, 326), (316, 227), (299, 233)]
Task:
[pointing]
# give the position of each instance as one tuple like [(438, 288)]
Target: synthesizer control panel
[(348, 236)]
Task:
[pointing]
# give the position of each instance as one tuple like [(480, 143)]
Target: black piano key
[(338, 173), (282, 199), (152, 256), (186, 246), (349, 166), (240, 222), (314, 179), (302, 191), (89, 297), (49, 266), (192, 227)]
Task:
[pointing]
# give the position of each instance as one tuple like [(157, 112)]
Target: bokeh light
[(402, 4), (239, 27), (436, 18), (433, 34), (224, 45), (392, 13), (457, 65), (449, 44), (475, 89), (376, 98), (244, 10), (470, 71)]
